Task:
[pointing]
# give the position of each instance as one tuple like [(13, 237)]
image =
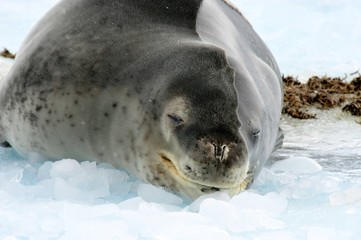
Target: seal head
[(204, 150)]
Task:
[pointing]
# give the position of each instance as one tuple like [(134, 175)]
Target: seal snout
[(216, 162)]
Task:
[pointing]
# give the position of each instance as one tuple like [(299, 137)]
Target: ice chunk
[(11, 175), (116, 179), (348, 196), (74, 191), (237, 218), (267, 176), (131, 204), (94, 222), (272, 203), (306, 187), (44, 171), (10, 238), (314, 233), (73, 180), (65, 169), (152, 193), (297, 165), (281, 235), (69, 179), (192, 230), (5, 198), (222, 196)]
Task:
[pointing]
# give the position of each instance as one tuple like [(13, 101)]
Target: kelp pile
[(321, 93), (7, 54)]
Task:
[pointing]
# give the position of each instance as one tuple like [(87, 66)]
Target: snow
[(309, 37), (311, 188)]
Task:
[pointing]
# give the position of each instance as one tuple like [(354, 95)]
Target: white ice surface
[(311, 189), (309, 37)]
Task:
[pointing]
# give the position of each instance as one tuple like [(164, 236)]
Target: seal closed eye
[(175, 119), (183, 94)]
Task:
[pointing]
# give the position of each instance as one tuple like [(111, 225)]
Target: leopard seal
[(183, 94)]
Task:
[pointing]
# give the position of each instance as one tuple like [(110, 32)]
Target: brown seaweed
[(321, 93), (7, 54)]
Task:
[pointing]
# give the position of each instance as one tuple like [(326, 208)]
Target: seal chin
[(203, 188)]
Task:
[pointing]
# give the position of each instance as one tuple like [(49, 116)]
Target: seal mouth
[(232, 190)]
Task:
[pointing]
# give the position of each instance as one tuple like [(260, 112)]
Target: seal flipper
[(279, 141), (5, 145)]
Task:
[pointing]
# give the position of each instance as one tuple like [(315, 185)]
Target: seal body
[(184, 94)]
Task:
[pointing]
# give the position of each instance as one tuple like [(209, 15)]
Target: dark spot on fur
[(34, 144), (81, 139), (47, 121), (124, 109), (32, 118), (115, 105), (70, 116), (60, 60), (38, 108), (76, 102), (106, 114), (72, 125)]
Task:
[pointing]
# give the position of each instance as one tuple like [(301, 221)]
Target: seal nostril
[(220, 152), (217, 152), (224, 152), (188, 168)]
